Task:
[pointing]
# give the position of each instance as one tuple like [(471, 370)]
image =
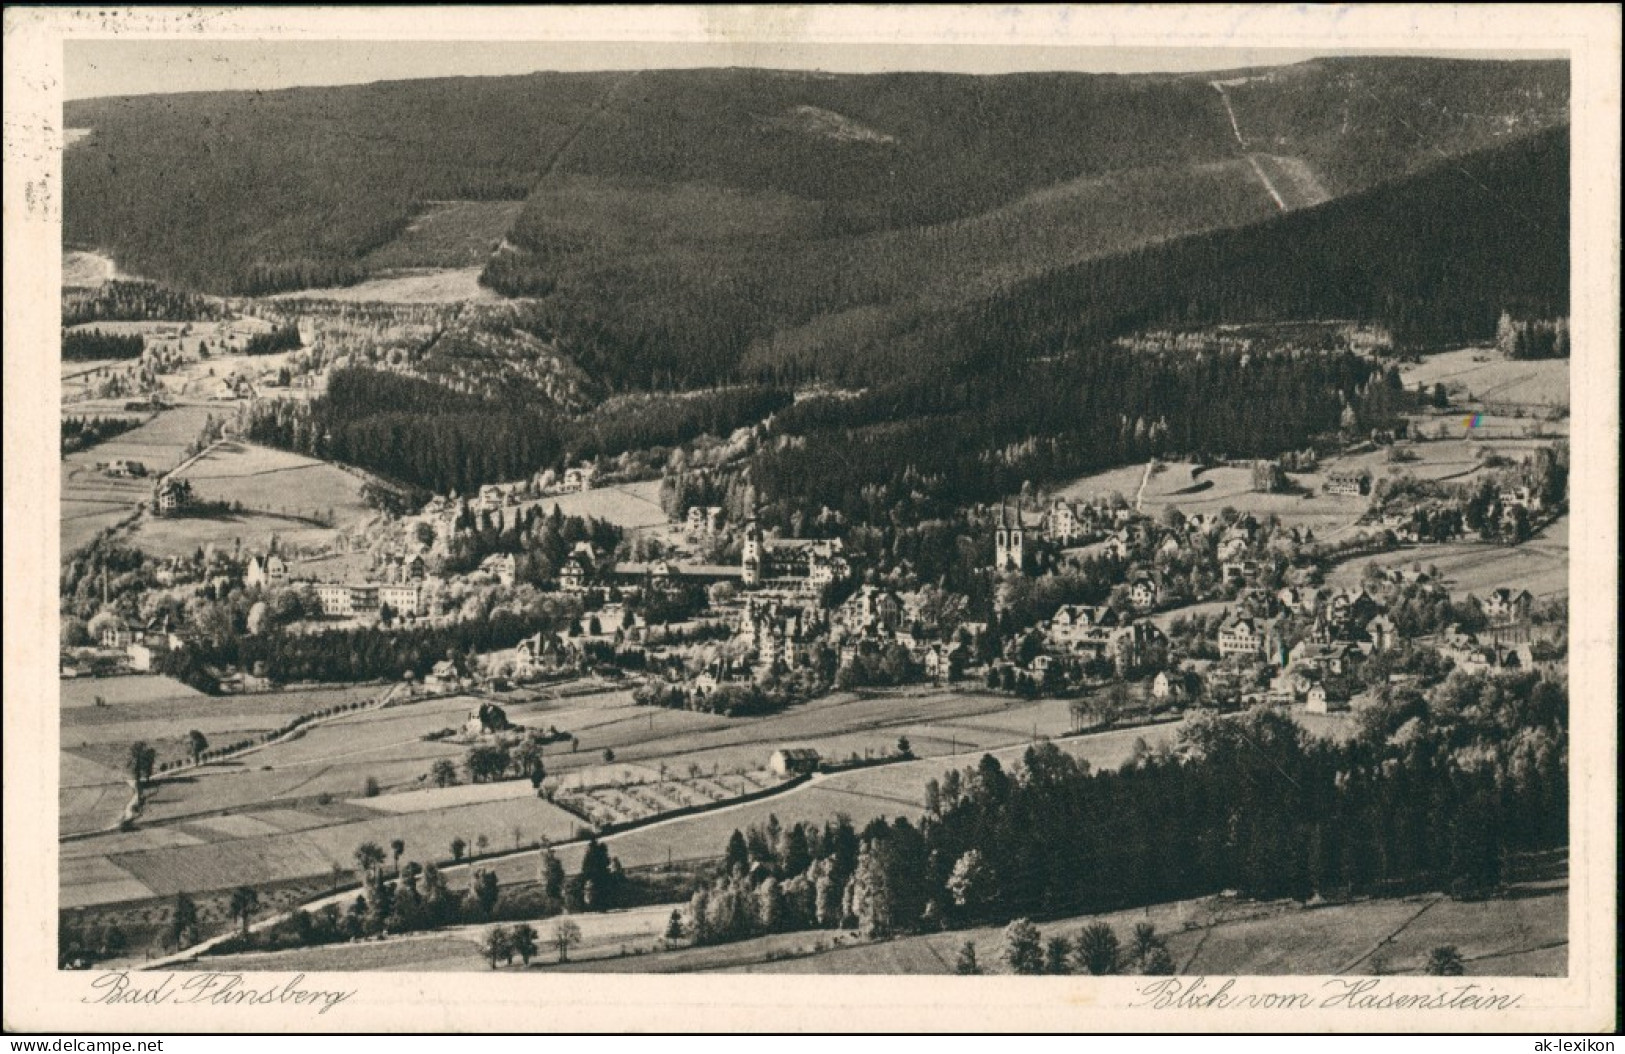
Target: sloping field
[(452, 285), (1485, 375), (628, 505), (96, 880), (116, 691), (86, 270), (448, 234), (313, 852), (1183, 486), (432, 798), (1540, 565), (92, 501)]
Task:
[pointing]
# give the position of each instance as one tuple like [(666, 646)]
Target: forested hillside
[(678, 224)]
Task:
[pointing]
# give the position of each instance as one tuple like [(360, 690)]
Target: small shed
[(793, 761)]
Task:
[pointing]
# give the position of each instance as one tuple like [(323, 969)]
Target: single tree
[(368, 858), (1144, 942), (1445, 961), (244, 902), (141, 759), (183, 921), (443, 772), (497, 944), (565, 934), (1023, 947), (397, 846), (481, 843), (904, 747), (485, 891), (1057, 955), (674, 925), (524, 942), (966, 962), (1097, 949), (1160, 963), (609, 756), (196, 743), (458, 847)]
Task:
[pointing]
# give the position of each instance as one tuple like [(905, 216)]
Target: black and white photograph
[(1092, 513)]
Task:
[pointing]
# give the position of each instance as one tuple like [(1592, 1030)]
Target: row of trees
[(345, 655), (1532, 338)]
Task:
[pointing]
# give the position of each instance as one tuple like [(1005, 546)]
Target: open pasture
[(183, 535), (628, 505), (1540, 565), (278, 481), (93, 501), (448, 234), (268, 857), (444, 285), (119, 691), (1485, 375)]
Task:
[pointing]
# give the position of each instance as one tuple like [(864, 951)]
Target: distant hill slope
[(679, 224)]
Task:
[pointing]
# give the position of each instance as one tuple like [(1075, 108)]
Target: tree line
[(79, 433), (345, 655), (1433, 793), (81, 345)]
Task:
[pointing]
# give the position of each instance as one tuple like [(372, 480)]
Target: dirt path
[(1145, 481), (1258, 169)]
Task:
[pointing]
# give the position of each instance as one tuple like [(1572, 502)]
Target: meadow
[(292, 809), (1540, 565), (447, 234), (628, 505), (1485, 375), (93, 501), (444, 285)]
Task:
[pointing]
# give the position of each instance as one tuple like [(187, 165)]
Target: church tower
[(1009, 547), (751, 554)]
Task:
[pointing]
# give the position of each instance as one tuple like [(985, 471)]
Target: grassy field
[(93, 501), (1540, 565), (628, 505), (297, 807), (277, 481), (95, 740), (1521, 934), (449, 285), (448, 234), (1484, 375), (86, 270), (1184, 486)]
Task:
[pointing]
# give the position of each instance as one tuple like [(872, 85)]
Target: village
[(1221, 609)]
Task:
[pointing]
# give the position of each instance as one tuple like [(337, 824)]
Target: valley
[(805, 524)]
